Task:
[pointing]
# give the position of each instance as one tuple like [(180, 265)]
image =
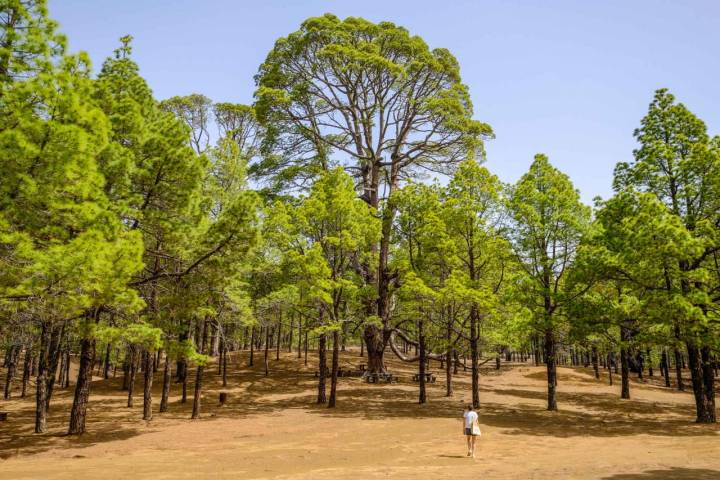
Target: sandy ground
[(272, 429)]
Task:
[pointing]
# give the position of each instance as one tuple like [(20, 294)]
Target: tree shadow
[(674, 473)]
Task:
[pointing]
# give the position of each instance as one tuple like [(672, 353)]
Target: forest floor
[(271, 428)]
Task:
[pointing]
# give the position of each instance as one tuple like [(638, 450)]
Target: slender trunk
[(474, 356), (41, 385), (199, 374), (322, 369), (252, 346), (53, 360), (27, 369), (422, 397), (290, 334), (610, 370), (448, 362), (678, 370), (11, 367), (106, 369), (334, 375), (595, 361), (267, 346), (224, 364), (299, 339), (167, 375), (147, 391), (78, 414), (306, 347), (278, 332), (133, 374), (665, 367)]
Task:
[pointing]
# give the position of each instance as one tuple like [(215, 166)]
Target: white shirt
[(470, 418)]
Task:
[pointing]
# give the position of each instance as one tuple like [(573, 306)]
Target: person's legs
[(469, 444), (472, 446)]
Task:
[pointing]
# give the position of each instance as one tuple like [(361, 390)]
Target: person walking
[(471, 428)]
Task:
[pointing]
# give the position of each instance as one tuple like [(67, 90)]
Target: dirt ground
[(271, 429)]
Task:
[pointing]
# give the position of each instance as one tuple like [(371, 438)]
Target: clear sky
[(571, 79)]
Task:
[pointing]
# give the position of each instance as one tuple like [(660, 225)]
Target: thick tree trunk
[(78, 413), (551, 369), (625, 373), (375, 348), (147, 391), (709, 384), (704, 400), (334, 372), (322, 369), (199, 374), (167, 375)]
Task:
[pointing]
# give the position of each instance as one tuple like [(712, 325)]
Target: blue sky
[(568, 79)]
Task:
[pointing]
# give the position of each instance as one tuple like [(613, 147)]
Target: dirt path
[(271, 429)]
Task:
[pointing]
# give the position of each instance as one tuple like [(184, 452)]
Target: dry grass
[(271, 428)]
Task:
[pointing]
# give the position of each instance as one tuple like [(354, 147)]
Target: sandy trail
[(271, 429)]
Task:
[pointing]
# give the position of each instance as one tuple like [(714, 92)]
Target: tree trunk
[(278, 334), (678, 370), (709, 385), (41, 385), (334, 373), (448, 362), (53, 360), (664, 366), (625, 373), (133, 375), (13, 357), (147, 391), (551, 369), (595, 361), (267, 346), (252, 346), (199, 374), (306, 347), (167, 375), (224, 353), (78, 413), (375, 347), (27, 369), (422, 397), (106, 369), (474, 357), (322, 369)]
